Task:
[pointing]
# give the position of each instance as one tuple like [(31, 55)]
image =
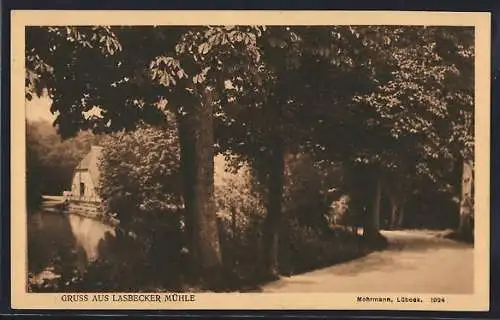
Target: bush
[(141, 173), (306, 248), (142, 262), (140, 183), (306, 241), (241, 212), (305, 194)]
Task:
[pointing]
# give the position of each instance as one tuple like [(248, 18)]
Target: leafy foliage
[(140, 174), (234, 193), (86, 68), (427, 99)]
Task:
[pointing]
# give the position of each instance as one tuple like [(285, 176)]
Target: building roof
[(90, 163)]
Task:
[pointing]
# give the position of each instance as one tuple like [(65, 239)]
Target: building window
[(82, 189)]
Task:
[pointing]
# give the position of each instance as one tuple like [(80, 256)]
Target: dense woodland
[(375, 119)]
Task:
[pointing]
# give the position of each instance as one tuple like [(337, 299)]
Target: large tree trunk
[(467, 202), (371, 231), (187, 166), (197, 143), (273, 217)]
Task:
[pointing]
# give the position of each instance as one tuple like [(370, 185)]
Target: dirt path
[(416, 262)]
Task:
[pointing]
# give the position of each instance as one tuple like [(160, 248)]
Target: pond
[(62, 243)]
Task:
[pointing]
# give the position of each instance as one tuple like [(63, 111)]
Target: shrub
[(141, 173), (140, 183), (240, 210), (305, 248), (310, 188), (306, 242), (339, 211), (234, 195)]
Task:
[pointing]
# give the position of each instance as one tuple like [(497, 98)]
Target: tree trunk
[(467, 202), (371, 231), (273, 217), (374, 222), (394, 210), (401, 216), (358, 191), (197, 143), (234, 235), (188, 168)]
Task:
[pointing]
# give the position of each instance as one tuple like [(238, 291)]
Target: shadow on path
[(416, 261)]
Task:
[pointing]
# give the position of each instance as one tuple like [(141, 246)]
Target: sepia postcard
[(327, 160)]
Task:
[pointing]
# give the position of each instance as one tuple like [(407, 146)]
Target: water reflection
[(62, 247), (62, 242), (88, 233)]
